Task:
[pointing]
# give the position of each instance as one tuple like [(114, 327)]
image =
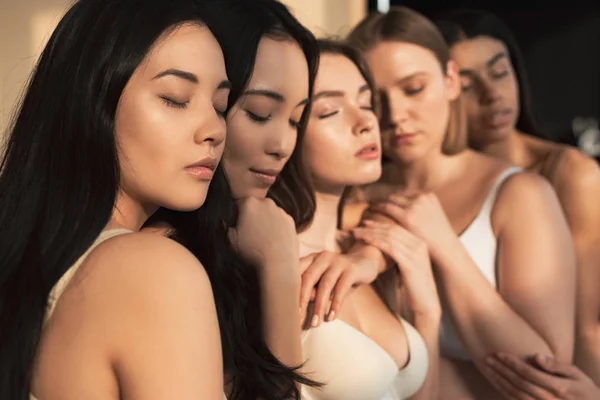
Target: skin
[(262, 125), (261, 135), (489, 84), (114, 346), (342, 122), (435, 196)]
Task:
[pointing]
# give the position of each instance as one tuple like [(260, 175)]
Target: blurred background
[(560, 43)]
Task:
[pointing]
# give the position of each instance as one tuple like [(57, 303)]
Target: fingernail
[(542, 358), (300, 310), (368, 222), (315, 321), (331, 315), (490, 360)]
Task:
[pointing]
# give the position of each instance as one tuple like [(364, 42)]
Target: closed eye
[(330, 114), (257, 118), (172, 103)]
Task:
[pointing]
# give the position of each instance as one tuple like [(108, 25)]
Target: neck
[(129, 214), (511, 148), (322, 233), (425, 174)]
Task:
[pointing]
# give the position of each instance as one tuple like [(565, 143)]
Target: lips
[(369, 151), (265, 177), (404, 138), (497, 118), (203, 169)]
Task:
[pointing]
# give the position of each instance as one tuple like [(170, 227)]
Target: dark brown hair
[(345, 49), (462, 25), (402, 24)]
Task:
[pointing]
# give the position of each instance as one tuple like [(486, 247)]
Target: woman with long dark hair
[(364, 350), (496, 95), (125, 115), (266, 120)]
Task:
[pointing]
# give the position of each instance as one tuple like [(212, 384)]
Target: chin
[(189, 202), (241, 193), (365, 178)]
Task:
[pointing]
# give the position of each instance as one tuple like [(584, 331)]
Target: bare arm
[(532, 312), (281, 316), (159, 319), (578, 188)]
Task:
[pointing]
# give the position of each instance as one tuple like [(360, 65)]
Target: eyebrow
[(225, 84), (278, 97), (409, 77), (490, 63), (338, 93), (188, 76)]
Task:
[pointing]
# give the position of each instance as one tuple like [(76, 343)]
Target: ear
[(453, 87)]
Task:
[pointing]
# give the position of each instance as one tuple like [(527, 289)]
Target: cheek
[(243, 141), (149, 137)]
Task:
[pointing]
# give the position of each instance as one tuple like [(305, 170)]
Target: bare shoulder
[(130, 298), (525, 195), (577, 174), (145, 260)]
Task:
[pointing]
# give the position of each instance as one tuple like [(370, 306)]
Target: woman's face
[(262, 125), (490, 88), (342, 143), (169, 125), (416, 96)]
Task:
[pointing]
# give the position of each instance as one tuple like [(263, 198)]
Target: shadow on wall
[(25, 27)]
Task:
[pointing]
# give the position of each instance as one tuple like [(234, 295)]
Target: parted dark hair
[(462, 25), (60, 175), (254, 370)]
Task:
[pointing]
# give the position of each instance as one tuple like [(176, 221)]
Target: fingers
[(324, 294), (504, 386), (391, 210), (392, 240), (342, 288), (312, 275), (550, 382), (551, 365), (524, 378), (306, 261)]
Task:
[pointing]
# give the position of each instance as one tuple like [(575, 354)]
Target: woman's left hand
[(543, 378), (424, 217)]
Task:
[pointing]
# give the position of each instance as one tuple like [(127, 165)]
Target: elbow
[(563, 352)]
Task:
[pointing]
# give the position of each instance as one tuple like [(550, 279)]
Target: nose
[(211, 129), (394, 110), (489, 93), (281, 141), (364, 122)]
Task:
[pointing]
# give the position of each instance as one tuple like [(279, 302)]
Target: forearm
[(281, 316), (587, 353), (429, 329), (485, 322)]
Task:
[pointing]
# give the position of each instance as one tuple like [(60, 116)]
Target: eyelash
[(258, 118), (172, 103), (413, 91), (499, 75), (221, 114)]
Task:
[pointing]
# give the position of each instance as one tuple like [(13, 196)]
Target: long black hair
[(59, 177), (271, 19), (462, 25), (254, 370)]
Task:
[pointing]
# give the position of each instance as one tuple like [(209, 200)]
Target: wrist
[(281, 272)]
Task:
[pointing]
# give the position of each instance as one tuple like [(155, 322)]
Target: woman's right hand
[(266, 235), (412, 259)]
